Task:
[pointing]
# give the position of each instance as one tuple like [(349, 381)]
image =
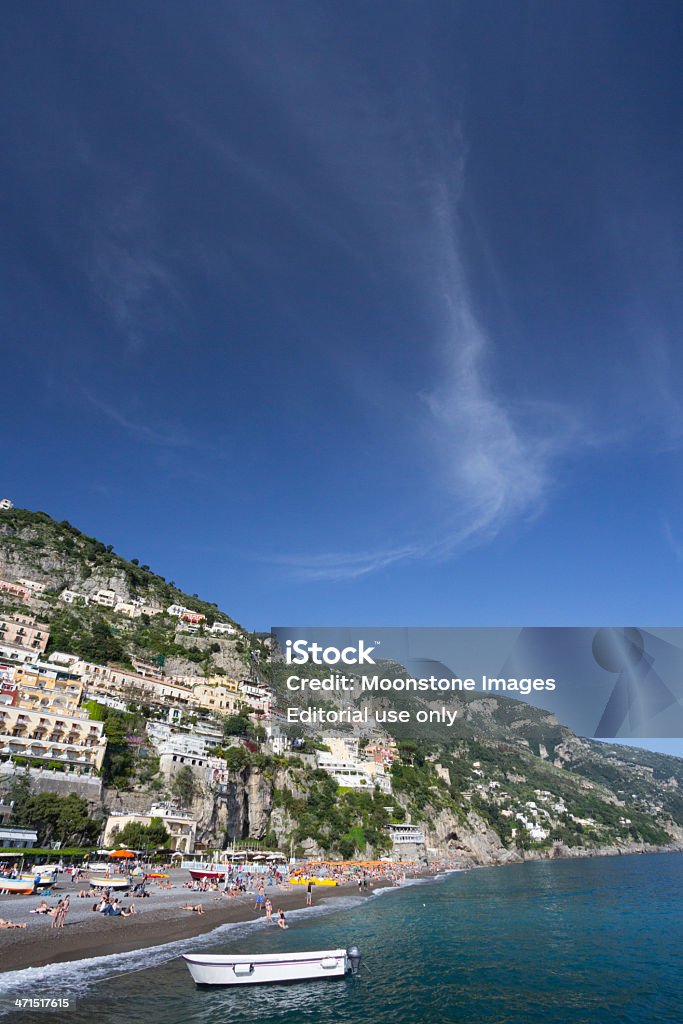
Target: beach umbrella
[(122, 853)]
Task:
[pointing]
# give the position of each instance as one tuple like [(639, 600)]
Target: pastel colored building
[(73, 597), (220, 628), (181, 826), (75, 743), (218, 698), (42, 690), (194, 618), (126, 608), (24, 631), (11, 654), (15, 590), (33, 585)]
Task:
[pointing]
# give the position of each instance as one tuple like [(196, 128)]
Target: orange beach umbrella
[(122, 853)]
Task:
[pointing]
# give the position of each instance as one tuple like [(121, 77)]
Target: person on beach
[(9, 924), (42, 908), (198, 908), (66, 903), (309, 893), (259, 899), (56, 915), (282, 920), (269, 911), (114, 910)]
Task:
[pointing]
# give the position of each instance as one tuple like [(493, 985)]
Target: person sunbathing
[(42, 908), (197, 907), (10, 924)]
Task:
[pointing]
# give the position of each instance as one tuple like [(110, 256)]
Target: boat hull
[(266, 969), (109, 883), (41, 880), (213, 876), (17, 885)]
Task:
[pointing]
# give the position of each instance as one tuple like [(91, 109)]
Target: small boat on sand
[(212, 874), (23, 886), (43, 877), (265, 968), (109, 883)]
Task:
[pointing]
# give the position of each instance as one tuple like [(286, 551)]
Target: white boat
[(21, 885), (109, 883), (264, 968), (41, 876)]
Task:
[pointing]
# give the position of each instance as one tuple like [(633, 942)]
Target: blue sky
[(352, 313)]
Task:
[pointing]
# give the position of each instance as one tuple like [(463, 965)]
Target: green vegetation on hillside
[(342, 822), (62, 819)]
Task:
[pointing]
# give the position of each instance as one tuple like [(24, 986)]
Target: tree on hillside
[(56, 818), (236, 725), (103, 645), (133, 835), (137, 836), (184, 786), (157, 833)]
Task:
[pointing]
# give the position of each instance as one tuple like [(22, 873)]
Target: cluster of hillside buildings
[(44, 721), (189, 621)]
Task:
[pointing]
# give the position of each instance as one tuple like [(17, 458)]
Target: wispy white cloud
[(163, 437), (310, 568), (494, 457), (126, 268)]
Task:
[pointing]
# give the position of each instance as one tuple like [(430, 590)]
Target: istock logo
[(300, 652)]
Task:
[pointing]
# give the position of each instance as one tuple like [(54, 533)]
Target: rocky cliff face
[(225, 656), (473, 839), (243, 808)]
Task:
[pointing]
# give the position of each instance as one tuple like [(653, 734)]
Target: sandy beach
[(158, 920)]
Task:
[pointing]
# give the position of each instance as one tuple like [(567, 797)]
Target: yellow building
[(212, 697), (76, 743), (44, 692), (232, 685)]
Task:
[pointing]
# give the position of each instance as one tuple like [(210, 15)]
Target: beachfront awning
[(123, 853)]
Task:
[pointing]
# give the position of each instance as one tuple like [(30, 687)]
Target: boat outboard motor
[(353, 956)]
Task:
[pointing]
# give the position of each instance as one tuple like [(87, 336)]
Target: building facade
[(63, 741), (181, 827), (15, 590), (23, 631)]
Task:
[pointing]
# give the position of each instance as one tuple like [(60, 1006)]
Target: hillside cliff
[(58, 555)]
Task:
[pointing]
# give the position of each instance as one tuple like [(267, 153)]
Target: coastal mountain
[(59, 557), (507, 780)]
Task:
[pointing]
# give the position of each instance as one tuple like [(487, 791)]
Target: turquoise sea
[(567, 942)]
